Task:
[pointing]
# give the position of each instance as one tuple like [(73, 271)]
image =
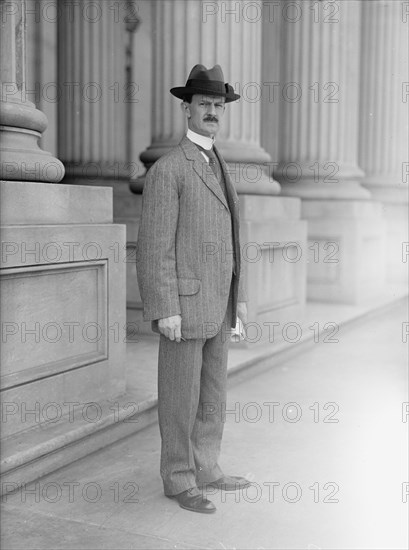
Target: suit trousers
[(192, 381)]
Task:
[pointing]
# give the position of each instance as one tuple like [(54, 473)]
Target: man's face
[(204, 114)]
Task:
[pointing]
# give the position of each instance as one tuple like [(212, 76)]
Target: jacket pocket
[(188, 287)]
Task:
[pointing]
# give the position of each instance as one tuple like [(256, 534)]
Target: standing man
[(188, 263)]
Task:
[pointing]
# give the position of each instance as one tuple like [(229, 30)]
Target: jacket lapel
[(234, 211), (202, 169), (231, 191)]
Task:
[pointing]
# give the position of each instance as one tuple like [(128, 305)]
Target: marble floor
[(322, 436)]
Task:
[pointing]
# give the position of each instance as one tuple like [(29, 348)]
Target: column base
[(349, 190), (346, 246), (22, 159), (252, 179)]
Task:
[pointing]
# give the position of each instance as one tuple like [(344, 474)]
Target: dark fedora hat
[(207, 82)]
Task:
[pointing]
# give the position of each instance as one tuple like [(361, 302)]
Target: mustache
[(211, 118)]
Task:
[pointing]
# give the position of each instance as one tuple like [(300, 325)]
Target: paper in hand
[(238, 333)]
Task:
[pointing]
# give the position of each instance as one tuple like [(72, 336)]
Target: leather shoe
[(227, 483), (194, 501)]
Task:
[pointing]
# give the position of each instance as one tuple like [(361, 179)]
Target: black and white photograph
[(204, 274)]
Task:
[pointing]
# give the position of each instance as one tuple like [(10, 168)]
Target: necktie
[(214, 164)]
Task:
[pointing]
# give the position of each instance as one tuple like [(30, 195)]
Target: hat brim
[(182, 91)]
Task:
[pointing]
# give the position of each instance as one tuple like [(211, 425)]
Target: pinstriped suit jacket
[(185, 244)]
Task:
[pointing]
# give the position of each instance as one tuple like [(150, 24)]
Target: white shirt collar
[(204, 141)]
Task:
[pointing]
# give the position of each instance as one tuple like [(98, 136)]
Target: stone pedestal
[(397, 241), (345, 246), (318, 142), (127, 210), (62, 300), (274, 242)]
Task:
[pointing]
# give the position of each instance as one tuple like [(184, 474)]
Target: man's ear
[(185, 108)]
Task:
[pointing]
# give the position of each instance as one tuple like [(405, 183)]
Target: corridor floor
[(322, 437)]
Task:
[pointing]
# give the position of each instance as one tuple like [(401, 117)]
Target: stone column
[(319, 98), (318, 94), (21, 123), (383, 137), (92, 136), (187, 33)]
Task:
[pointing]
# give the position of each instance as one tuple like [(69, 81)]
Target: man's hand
[(242, 312), (171, 327)]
